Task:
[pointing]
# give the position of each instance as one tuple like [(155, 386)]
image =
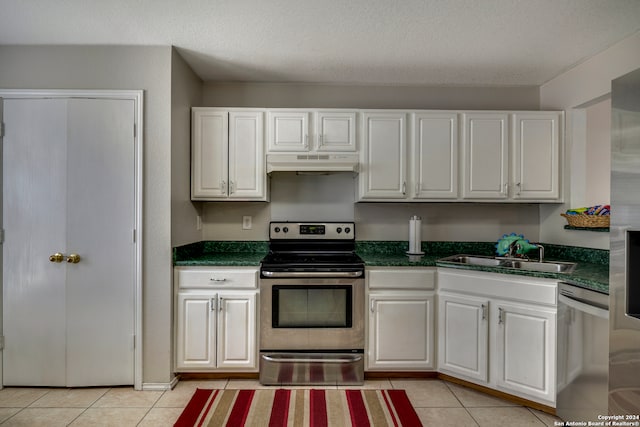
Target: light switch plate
[(246, 222)]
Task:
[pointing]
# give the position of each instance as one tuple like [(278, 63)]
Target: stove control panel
[(312, 230)]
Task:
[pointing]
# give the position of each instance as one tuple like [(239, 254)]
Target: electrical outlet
[(198, 222), (246, 222)]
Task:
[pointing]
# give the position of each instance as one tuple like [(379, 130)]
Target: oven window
[(318, 306)]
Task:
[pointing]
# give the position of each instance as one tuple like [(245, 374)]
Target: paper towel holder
[(415, 241)]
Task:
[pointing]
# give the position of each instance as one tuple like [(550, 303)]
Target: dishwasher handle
[(584, 307)]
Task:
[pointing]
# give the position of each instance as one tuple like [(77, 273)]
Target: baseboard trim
[(370, 375), (496, 393), (218, 376), (160, 386)]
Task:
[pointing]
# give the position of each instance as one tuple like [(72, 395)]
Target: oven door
[(311, 314)]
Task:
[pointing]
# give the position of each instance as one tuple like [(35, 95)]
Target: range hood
[(347, 162)]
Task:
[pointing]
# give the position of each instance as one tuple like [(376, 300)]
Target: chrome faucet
[(513, 249), (540, 251)]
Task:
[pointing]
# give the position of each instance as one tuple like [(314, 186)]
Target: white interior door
[(69, 187), (34, 205), (100, 225)]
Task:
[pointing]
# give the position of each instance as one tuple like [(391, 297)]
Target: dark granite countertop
[(592, 271), (220, 253)]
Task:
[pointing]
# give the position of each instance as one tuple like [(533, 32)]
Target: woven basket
[(588, 221)]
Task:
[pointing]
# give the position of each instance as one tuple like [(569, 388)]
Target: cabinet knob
[(57, 257), (73, 259)]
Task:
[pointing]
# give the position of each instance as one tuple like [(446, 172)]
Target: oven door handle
[(347, 359), (312, 274)]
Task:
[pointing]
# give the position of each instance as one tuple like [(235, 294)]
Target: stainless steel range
[(312, 305)]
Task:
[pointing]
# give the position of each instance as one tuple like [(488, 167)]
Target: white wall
[(123, 67), (186, 91), (292, 196), (574, 91), (598, 153), (295, 95)]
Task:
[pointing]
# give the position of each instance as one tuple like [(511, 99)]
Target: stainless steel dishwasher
[(583, 353)]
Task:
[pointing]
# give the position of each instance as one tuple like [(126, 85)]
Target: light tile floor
[(438, 403)]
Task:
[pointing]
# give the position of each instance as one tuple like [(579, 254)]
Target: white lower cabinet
[(463, 346), (401, 319), (499, 331), (525, 350), (215, 329)]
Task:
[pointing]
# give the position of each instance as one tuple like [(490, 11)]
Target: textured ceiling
[(412, 42)]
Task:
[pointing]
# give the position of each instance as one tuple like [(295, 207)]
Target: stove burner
[(327, 252)]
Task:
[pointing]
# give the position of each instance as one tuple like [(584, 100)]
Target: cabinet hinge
[(1, 129), (1, 342), (135, 130), (134, 235), (1, 236)]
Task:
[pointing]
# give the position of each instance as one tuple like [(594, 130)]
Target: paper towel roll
[(415, 240)]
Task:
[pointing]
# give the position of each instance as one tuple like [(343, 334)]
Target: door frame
[(137, 96)]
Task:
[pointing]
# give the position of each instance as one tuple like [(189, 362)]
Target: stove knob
[(347, 230), (339, 230), (277, 229), (285, 229)]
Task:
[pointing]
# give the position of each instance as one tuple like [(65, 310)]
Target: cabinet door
[(463, 340), (209, 151), (246, 155), (335, 131), (536, 155), (401, 332), (196, 328), (383, 156), (435, 148), (525, 351), (288, 131), (237, 344), (485, 153)]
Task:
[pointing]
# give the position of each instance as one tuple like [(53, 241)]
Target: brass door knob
[(57, 257), (73, 258)]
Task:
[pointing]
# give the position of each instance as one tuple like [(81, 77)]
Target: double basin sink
[(516, 263)]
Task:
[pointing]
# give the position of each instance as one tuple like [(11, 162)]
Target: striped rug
[(299, 408)]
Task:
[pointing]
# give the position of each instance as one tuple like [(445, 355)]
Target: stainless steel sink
[(545, 266), (519, 264), (474, 260)]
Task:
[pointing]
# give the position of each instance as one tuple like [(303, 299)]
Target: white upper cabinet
[(383, 155), (228, 161), (485, 155), (246, 155), (297, 131), (335, 130), (536, 155), (435, 155), (209, 154), (512, 156), (288, 131)]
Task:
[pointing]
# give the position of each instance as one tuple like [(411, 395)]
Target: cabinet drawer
[(216, 278), (402, 278)]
